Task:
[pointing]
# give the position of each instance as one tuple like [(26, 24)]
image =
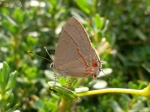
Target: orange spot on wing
[(94, 64)]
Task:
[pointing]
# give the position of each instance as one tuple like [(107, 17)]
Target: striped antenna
[(39, 56), (48, 54)]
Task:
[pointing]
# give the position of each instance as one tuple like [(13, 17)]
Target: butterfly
[(74, 55)]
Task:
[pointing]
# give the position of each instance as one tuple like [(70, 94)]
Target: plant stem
[(110, 90), (145, 92), (64, 105)]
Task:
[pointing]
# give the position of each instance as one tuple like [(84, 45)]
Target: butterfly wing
[(74, 55)]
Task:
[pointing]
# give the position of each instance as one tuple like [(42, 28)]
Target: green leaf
[(38, 104), (83, 4), (98, 22), (11, 28), (63, 92), (5, 74), (12, 109), (52, 105), (137, 106), (1, 76), (116, 106), (18, 14), (12, 80), (31, 40), (10, 100), (10, 20)]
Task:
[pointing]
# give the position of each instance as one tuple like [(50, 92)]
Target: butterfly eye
[(52, 65)]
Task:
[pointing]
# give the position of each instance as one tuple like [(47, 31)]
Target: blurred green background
[(118, 29)]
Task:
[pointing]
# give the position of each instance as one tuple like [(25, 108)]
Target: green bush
[(119, 30)]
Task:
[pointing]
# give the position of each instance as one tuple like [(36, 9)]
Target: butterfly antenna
[(48, 53), (103, 71), (101, 67), (39, 56)]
